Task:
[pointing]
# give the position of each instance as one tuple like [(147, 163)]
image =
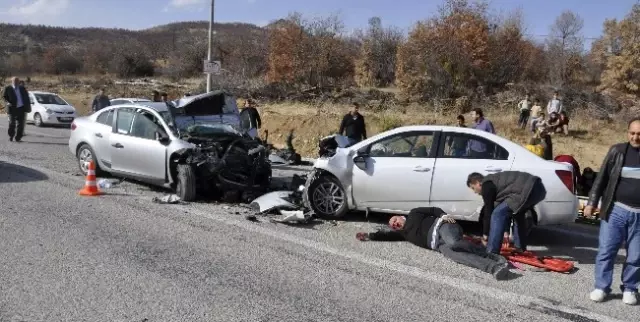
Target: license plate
[(66, 119)]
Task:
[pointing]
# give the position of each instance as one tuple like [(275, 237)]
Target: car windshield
[(50, 99)]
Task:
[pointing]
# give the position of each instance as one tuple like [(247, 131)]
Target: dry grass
[(588, 142)]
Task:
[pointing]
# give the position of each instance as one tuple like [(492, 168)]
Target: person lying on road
[(432, 228), (507, 196)]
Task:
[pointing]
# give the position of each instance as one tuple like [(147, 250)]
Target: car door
[(101, 137), (397, 172), (455, 161), (135, 150)]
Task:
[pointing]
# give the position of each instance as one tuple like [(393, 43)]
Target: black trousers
[(452, 245), (16, 122), (524, 118)]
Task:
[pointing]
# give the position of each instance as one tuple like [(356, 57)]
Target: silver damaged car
[(196, 148)]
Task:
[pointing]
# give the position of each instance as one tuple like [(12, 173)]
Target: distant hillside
[(161, 39)]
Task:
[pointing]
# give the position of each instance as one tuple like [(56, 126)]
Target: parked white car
[(121, 100), (49, 109), (416, 166)]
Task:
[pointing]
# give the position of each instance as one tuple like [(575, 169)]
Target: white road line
[(461, 284)]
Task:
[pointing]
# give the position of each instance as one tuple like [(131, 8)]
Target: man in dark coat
[(17, 106), (353, 126), (100, 101), (616, 190), (250, 118), (432, 228), (506, 195)]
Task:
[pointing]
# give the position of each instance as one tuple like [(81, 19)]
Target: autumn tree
[(308, 52), (58, 60), (511, 57), (446, 55), (618, 52), (376, 64), (564, 46)]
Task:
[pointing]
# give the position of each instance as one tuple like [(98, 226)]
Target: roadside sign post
[(212, 67), (209, 51)]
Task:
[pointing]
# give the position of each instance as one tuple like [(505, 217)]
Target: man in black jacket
[(250, 118), (617, 186), (506, 195), (17, 106), (353, 126), (432, 228)]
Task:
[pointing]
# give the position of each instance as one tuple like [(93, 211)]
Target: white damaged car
[(417, 166)]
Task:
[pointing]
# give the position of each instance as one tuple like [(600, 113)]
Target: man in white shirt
[(554, 105), (17, 106)]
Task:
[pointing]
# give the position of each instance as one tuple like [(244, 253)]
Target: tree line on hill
[(462, 50)]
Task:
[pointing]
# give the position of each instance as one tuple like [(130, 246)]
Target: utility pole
[(209, 53)]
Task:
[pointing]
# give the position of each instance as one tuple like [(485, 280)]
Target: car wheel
[(37, 120), (186, 183), (327, 198), (85, 155)]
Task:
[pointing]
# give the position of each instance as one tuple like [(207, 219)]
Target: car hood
[(59, 108)]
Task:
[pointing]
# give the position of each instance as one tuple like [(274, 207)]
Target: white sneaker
[(629, 298), (597, 295)]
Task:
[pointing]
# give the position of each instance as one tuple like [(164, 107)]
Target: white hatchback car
[(49, 109), (417, 166)]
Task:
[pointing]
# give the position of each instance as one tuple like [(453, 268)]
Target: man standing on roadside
[(100, 101), (554, 105), (250, 118), (458, 143), (17, 107), (616, 189), (478, 149), (525, 110), (156, 96), (353, 125)]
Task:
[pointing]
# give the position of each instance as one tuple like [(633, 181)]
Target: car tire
[(84, 155), (37, 120), (186, 182), (326, 197), (530, 222)]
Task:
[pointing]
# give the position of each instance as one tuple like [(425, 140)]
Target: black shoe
[(10, 138), (18, 140), (501, 272)]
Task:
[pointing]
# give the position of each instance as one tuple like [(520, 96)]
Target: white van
[(49, 108)]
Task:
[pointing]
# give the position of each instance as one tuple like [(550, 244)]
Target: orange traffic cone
[(90, 186)]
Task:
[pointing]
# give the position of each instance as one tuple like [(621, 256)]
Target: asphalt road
[(121, 257)]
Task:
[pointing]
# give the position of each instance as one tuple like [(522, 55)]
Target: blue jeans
[(622, 226), (500, 221)]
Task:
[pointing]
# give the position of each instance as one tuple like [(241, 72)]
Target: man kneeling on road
[(432, 228), (506, 195)]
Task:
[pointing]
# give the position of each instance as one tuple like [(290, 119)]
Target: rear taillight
[(73, 126), (567, 178)]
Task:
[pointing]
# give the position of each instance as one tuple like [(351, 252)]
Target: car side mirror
[(162, 137), (360, 161)]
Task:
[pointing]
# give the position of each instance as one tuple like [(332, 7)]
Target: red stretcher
[(530, 258)]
